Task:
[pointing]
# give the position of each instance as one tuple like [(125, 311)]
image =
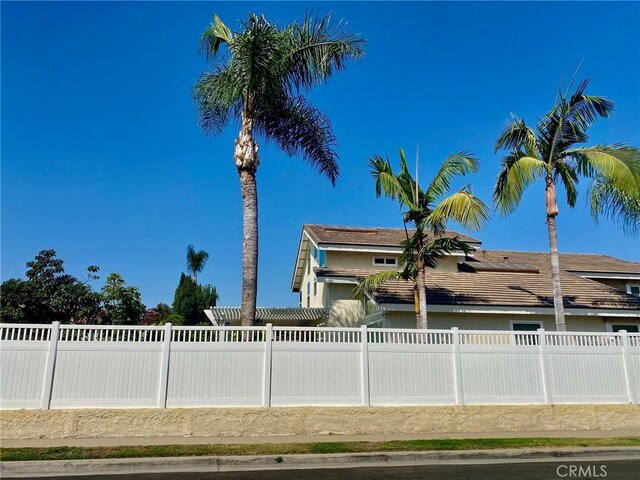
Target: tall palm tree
[(196, 261), (259, 81), (550, 152), (427, 212)]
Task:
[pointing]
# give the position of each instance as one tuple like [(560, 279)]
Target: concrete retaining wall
[(232, 422)]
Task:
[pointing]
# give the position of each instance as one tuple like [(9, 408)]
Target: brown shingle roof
[(510, 288), (572, 262), (363, 236)]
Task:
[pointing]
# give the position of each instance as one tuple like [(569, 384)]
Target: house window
[(386, 261), (308, 294), (633, 289), (319, 256), (300, 298), (629, 327), (315, 287), (525, 326)]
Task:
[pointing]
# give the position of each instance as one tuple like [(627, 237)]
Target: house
[(486, 289)]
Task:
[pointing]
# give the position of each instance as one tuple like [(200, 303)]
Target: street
[(584, 469)]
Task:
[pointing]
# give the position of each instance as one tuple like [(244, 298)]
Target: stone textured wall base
[(236, 422)]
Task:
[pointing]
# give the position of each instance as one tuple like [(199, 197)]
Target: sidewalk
[(70, 468), (139, 441)]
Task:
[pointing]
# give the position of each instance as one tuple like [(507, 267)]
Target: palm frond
[(300, 128), (517, 136), (370, 284), (460, 163), (317, 48), (218, 98), (565, 125), (439, 248), (213, 37), (618, 165), (387, 182), (622, 207), (517, 173), (569, 179), (463, 207)]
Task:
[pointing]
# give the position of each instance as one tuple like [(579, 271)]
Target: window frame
[(609, 325), (540, 324), (384, 261), (631, 285)]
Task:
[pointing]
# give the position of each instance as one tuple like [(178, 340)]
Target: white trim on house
[(611, 276), (351, 280), (588, 312), (299, 264), (363, 249)]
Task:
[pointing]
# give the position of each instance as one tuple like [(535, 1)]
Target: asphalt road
[(562, 469)]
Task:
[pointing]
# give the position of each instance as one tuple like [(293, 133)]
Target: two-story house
[(487, 289)]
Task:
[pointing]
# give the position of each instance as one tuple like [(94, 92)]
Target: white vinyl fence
[(72, 366)]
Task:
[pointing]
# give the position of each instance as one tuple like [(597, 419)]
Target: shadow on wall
[(346, 313)]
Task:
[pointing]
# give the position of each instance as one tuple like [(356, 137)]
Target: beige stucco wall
[(233, 422), (355, 259), (479, 321), (617, 284)]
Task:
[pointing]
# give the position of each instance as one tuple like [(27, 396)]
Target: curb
[(306, 461)]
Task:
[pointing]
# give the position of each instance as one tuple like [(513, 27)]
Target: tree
[(196, 261), (186, 301), (259, 80), (49, 294), (161, 314), (550, 152), (428, 212), (122, 304), (208, 296)]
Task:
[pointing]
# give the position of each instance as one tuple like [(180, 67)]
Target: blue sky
[(102, 158)]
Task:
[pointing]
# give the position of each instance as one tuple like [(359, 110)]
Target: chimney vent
[(505, 259)]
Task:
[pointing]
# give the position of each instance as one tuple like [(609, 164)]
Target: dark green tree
[(122, 304), (208, 296), (49, 294), (186, 301)]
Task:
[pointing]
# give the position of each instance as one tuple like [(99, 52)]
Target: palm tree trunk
[(247, 161), (552, 212), (422, 296)]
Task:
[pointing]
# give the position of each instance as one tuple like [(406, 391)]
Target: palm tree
[(427, 212), (433, 251), (259, 81), (550, 152), (196, 261)]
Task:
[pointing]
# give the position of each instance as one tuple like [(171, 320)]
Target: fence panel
[(411, 367), (107, 367), (216, 367), (586, 368), (316, 367), (633, 356), (23, 358), (501, 367)]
